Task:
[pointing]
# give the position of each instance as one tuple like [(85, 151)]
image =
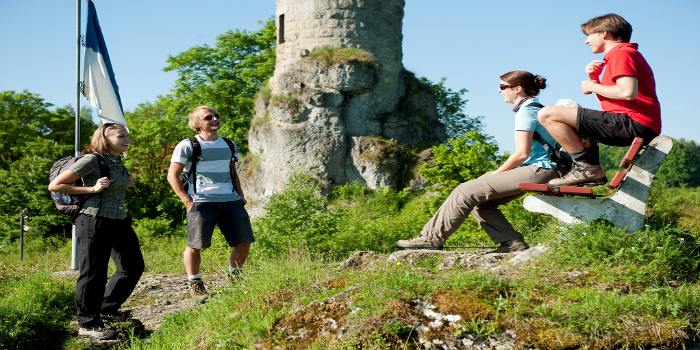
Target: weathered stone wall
[(348, 121)]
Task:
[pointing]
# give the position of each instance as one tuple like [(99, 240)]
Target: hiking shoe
[(116, 316), (581, 174), (235, 274), (98, 333), (197, 289), (510, 247), (420, 243)]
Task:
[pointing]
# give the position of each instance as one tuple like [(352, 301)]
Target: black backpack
[(72, 204), (196, 157), (563, 160)]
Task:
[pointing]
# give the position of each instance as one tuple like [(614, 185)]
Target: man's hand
[(188, 203), (587, 86), (594, 69)]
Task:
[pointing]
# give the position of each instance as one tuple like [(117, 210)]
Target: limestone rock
[(341, 107)]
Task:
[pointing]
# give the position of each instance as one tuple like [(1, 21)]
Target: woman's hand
[(101, 184)]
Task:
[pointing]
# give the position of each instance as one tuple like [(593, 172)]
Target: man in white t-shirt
[(213, 195)]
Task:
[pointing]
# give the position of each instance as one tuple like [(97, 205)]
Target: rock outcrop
[(340, 106)]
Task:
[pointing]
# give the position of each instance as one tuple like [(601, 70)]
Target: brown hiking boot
[(197, 289), (581, 174), (420, 243), (510, 247)]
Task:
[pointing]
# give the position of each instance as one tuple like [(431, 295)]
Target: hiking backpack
[(72, 204), (196, 157), (563, 160)]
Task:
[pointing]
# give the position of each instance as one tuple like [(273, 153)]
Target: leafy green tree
[(155, 130), (34, 137), (461, 159), (25, 116), (450, 106), (227, 76)]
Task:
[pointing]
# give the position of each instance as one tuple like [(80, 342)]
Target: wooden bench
[(624, 207)]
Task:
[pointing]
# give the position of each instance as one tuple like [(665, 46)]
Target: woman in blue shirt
[(530, 162)]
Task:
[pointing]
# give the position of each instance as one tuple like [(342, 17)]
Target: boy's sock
[(194, 277), (587, 155), (235, 270)]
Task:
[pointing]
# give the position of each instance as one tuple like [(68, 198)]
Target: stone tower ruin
[(340, 106)]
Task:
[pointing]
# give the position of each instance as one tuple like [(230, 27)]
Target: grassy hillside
[(597, 286)]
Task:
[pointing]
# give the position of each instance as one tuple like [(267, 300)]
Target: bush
[(296, 216), (158, 227), (461, 159)]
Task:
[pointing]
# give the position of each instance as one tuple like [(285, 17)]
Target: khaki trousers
[(481, 197)]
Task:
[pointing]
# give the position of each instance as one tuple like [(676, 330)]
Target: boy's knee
[(544, 114)]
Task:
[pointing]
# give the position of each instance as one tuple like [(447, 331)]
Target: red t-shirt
[(625, 61)]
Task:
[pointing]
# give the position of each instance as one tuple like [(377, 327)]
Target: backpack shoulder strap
[(196, 156), (232, 147), (102, 164)]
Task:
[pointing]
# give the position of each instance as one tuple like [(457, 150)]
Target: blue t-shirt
[(526, 120)]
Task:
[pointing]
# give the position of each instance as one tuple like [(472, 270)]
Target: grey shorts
[(232, 218)]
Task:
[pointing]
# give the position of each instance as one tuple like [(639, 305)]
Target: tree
[(450, 105), (34, 137), (227, 76)]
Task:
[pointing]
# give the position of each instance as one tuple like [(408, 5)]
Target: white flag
[(100, 87)]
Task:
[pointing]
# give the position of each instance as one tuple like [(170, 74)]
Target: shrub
[(158, 227), (296, 216), (461, 159)]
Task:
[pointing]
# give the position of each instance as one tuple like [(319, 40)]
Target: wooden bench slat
[(631, 152), (533, 187), (617, 179), (577, 190)]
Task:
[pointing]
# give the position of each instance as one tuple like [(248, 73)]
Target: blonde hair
[(98, 142), (194, 119)]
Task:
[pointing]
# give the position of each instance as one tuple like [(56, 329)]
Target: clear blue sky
[(471, 43)]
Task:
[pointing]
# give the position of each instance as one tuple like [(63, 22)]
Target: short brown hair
[(98, 142), (612, 23), (531, 83), (193, 122)]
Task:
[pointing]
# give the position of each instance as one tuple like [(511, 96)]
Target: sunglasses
[(106, 126), (210, 117), (504, 86)]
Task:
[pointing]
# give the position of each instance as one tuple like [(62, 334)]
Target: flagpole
[(74, 239)]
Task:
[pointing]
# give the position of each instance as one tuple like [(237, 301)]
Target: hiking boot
[(581, 174), (98, 333), (420, 243), (197, 289), (116, 316), (235, 274), (513, 246)]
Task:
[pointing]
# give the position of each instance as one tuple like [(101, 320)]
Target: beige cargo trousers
[(481, 197)]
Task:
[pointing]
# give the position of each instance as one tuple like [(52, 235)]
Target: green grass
[(330, 56), (35, 310), (597, 287)]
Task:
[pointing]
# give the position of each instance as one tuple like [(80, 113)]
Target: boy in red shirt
[(627, 95)]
